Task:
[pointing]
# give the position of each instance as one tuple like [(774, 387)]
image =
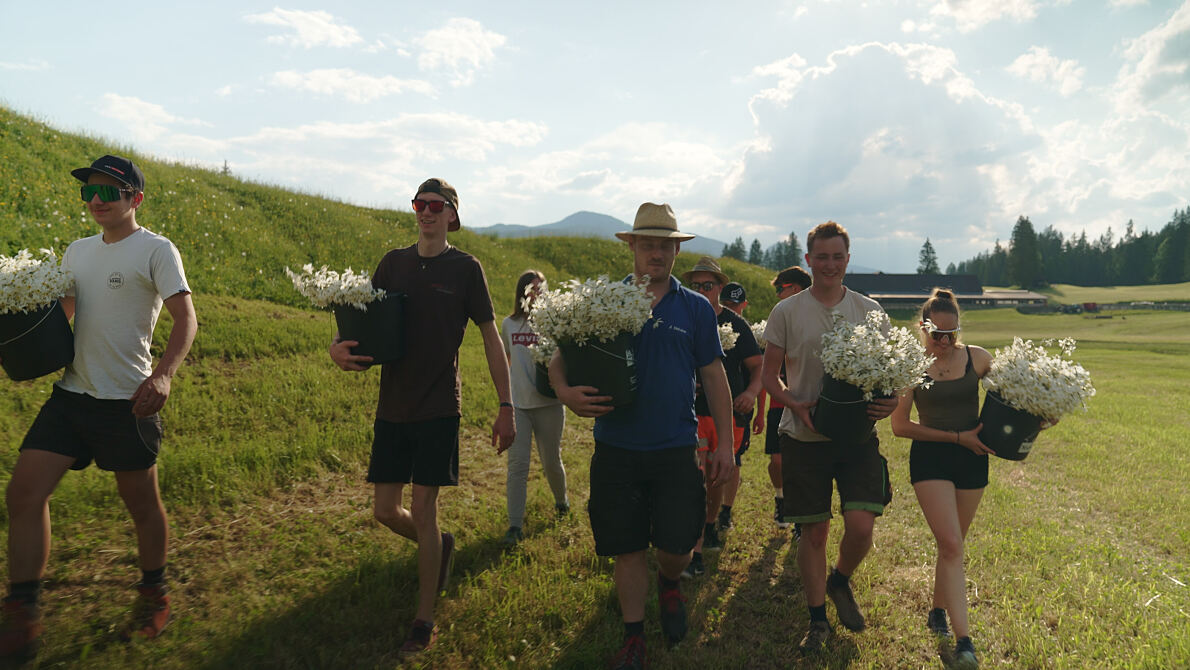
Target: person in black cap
[(735, 298), (416, 433), (105, 407)]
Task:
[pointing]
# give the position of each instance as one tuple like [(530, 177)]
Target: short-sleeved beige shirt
[(796, 324)]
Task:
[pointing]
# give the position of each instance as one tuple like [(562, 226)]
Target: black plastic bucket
[(842, 412), (541, 380), (380, 330), (608, 366), (1008, 431), (34, 344)]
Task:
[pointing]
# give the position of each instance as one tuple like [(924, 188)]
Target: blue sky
[(901, 120)]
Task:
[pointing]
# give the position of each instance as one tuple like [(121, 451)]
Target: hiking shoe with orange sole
[(20, 630), (150, 613)]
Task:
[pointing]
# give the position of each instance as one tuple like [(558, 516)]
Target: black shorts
[(772, 438), (947, 461), (643, 497), (744, 420), (85, 428), (809, 468), (422, 452)]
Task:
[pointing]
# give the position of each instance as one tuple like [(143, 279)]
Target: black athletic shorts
[(772, 438), (947, 461), (85, 428), (744, 420), (421, 452), (809, 468), (643, 497)]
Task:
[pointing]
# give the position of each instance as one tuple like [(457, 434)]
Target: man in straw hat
[(742, 364), (646, 487), (416, 432), (810, 461)]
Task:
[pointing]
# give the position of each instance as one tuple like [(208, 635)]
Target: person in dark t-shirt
[(416, 433)]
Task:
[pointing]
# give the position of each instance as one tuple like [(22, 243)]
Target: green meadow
[(1079, 557)]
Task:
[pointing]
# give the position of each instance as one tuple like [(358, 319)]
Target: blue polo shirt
[(681, 336)]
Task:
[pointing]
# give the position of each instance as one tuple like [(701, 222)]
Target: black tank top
[(951, 404)]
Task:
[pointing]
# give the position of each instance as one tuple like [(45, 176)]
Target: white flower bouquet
[(543, 351), (727, 337), (35, 335), (758, 333), (327, 288), (28, 284), (593, 323), (1029, 378), (874, 356)]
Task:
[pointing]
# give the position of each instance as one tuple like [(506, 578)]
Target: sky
[(902, 120)]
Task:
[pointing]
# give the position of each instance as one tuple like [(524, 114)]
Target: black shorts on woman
[(951, 405)]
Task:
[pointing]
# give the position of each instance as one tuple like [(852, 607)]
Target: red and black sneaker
[(150, 613), (421, 637), (20, 629), (632, 655)]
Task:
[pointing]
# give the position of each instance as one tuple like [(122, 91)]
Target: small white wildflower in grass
[(874, 356), (1031, 379), (758, 333), (28, 284), (727, 337), (595, 309), (327, 288)]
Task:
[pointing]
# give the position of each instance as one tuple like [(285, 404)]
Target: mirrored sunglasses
[(939, 335), (106, 192), (435, 206)]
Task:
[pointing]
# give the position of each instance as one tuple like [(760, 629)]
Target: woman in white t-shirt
[(536, 414)]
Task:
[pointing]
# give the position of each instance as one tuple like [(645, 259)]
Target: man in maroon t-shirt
[(416, 436)]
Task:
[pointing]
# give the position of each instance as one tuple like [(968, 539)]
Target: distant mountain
[(591, 224)]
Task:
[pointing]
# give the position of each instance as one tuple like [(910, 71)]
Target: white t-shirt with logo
[(118, 289), (517, 338), (796, 324)]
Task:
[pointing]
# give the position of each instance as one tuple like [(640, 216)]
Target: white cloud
[(970, 15), (461, 47), (1159, 63), (310, 29), (1038, 65), (223, 91), (349, 84), (1128, 3), (30, 66)]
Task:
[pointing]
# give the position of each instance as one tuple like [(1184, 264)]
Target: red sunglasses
[(434, 205)]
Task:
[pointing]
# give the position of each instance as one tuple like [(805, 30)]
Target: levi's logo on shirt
[(524, 339)]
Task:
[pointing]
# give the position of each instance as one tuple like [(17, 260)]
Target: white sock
[(780, 493)]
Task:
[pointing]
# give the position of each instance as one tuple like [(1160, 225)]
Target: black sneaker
[(512, 537), (844, 600), (779, 513), (563, 509), (936, 622), (710, 539), (694, 568), (672, 604), (815, 638), (632, 655), (724, 519), (797, 533), (964, 655)]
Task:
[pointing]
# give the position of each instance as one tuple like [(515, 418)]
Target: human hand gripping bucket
[(380, 329), (608, 366)]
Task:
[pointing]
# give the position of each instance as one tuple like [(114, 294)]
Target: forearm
[(181, 337), (498, 367)]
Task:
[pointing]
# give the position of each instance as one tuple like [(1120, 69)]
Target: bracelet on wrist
[(506, 404)]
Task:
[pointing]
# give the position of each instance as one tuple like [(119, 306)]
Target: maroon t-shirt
[(442, 293)]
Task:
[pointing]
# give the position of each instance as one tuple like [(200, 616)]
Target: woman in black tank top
[(948, 464)]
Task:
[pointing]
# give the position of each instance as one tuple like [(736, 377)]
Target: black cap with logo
[(116, 167)]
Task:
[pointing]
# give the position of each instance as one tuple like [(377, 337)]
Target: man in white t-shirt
[(105, 406), (810, 461)]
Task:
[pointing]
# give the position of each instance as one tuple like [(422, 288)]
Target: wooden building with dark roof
[(911, 290)]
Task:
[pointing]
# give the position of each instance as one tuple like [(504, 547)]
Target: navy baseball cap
[(121, 169), (733, 292)]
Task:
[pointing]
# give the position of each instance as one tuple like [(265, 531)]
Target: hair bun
[(942, 293)]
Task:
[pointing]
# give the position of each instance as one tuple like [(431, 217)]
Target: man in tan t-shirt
[(811, 461)]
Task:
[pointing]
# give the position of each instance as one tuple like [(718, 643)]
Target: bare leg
[(632, 584), (857, 539), (775, 471), (940, 504), (138, 489), (811, 561), (422, 522), (34, 478)]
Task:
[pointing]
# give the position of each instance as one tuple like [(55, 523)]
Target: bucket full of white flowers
[(35, 336), (1027, 386), (758, 333), (860, 362), (541, 353), (594, 324), (370, 316)]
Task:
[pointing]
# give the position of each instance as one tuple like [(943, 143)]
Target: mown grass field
[(1079, 557), (1068, 294)]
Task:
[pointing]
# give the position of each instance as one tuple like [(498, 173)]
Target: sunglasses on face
[(435, 206), (106, 192), (703, 286), (781, 287), (939, 335)]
